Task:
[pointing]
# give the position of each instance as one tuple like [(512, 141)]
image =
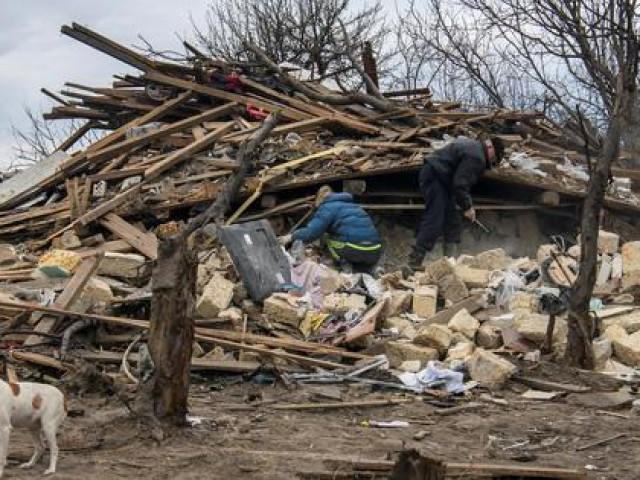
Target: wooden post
[(164, 395)]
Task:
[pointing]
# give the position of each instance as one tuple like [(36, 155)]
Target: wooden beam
[(179, 155), (67, 298), (145, 243)]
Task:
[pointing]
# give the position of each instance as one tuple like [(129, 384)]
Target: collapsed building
[(79, 241)]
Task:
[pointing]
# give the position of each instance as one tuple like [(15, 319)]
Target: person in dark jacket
[(446, 180), (352, 235)]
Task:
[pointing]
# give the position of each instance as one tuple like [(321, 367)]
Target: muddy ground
[(242, 436)]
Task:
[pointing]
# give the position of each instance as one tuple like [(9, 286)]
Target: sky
[(34, 54)]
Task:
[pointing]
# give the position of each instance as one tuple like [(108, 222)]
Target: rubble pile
[(80, 242)]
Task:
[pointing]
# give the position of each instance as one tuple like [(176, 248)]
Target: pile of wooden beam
[(172, 136)]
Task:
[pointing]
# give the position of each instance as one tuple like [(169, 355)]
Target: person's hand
[(285, 240), (470, 214)]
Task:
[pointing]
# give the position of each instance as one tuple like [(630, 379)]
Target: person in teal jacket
[(352, 235)]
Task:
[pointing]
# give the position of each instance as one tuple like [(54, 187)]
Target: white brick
[(608, 242), (472, 277), (124, 265), (464, 323), (400, 352)]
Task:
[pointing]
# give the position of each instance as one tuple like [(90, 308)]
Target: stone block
[(453, 289), (284, 308), (439, 269), (472, 277), (630, 280), (400, 302), (630, 257), (575, 252), (490, 370), (122, 265), (457, 337), (69, 240), (496, 259), (462, 351), (523, 302), (602, 351), (608, 242), (533, 326), (544, 251), (95, 293), (8, 254), (233, 315), (341, 303), (630, 321), (397, 323), (434, 336), (489, 336), (215, 298), (411, 366), (604, 270), (425, 298), (464, 323), (400, 352), (625, 347), (616, 266)]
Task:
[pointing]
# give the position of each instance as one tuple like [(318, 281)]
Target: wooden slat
[(194, 147), (66, 299), (145, 243)]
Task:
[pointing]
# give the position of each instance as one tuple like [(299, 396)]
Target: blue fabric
[(343, 219)]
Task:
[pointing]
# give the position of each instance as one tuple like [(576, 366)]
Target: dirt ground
[(242, 436)]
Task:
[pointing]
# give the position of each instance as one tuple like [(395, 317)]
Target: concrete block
[(69, 240), (434, 336), (215, 298), (472, 277), (399, 352), (630, 280), (8, 254), (464, 323), (425, 299), (489, 336), (490, 370), (233, 315), (343, 302), (123, 265), (397, 323), (411, 366), (608, 242), (284, 308)]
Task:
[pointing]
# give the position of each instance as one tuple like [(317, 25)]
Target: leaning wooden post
[(164, 396)]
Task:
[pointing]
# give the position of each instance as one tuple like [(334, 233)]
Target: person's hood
[(339, 197)]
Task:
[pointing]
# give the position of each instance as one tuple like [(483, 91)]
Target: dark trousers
[(441, 217), (361, 257)]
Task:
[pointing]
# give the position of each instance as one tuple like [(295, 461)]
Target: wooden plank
[(67, 298), (496, 470), (145, 243), (164, 131), (144, 325), (301, 126), (224, 95), (77, 135), (109, 205), (472, 304), (197, 364), (114, 246), (194, 147)]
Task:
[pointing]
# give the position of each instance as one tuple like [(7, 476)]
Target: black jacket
[(458, 165)]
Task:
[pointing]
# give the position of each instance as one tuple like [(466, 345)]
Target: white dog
[(39, 407)]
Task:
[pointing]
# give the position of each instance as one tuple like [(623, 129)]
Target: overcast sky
[(34, 54)]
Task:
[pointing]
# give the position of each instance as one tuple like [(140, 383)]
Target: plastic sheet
[(512, 282), (435, 376)]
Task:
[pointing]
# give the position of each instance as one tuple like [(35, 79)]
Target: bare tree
[(39, 138), (304, 32), (596, 43)]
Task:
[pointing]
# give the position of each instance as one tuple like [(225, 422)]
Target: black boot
[(451, 250), (416, 258)]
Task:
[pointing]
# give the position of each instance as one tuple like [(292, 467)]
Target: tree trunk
[(164, 396), (579, 349)]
